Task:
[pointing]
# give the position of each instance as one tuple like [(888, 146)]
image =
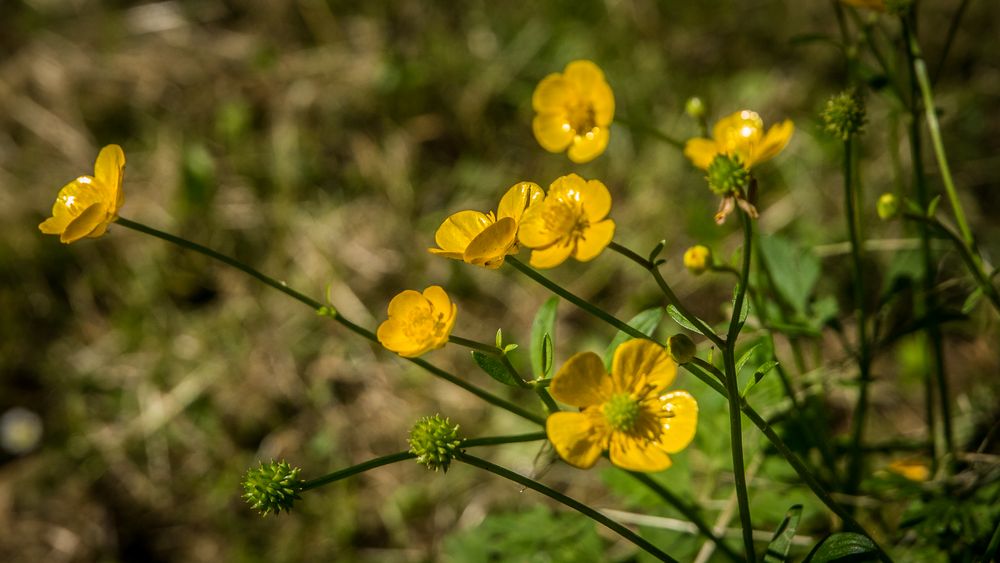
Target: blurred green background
[(323, 142)]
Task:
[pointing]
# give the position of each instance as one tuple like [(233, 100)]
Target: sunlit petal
[(576, 438), (640, 358), (589, 145), (581, 381), (634, 454), (679, 429), (595, 240)]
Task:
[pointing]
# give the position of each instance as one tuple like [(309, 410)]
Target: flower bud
[(435, 442), (694, 107), (727, 175), (887, 206), (272, 488), (697, 259), (681, 348), (844, 115)]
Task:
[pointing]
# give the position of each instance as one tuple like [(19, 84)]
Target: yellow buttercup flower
[(697, 259), (574, 110), (484, 239), (913, 469), (418, 322), (86, 206), (627, 412), (741, 135), (570, 221)]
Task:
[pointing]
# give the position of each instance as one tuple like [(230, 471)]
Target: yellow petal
[(533, 231), (595, 240), (596, 200), (438, 299), (774, 142), (637, 455), (577, 440), (739, 133), (589, 145), (493, 243), (109, 170), (553, 131), (640, 357), (553, 94), (406, 301), (678, 430), (603, 102), (581, 381), (701, 152), (519, 197), (567, 187), (84, 223), (458, 230), (392, 335), (584, 75), (551, 256), (446, 254)]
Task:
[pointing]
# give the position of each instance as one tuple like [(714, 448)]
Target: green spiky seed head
[(887, 206), (435, 442), (682, 349), (272, 487), (727, 175), (844, 115)]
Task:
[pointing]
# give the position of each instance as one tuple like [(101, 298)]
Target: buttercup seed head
[(727, 175), (272, 488), (844, 115), (435, 442)]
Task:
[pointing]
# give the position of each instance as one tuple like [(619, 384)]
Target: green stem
[(949, 39), (542, 393), (574, 299), (920, 71), (498, 440), (651, 131), (652, 268), (994, 548), (688, 511), (319, 307), (733, 392), (355, 469), (851, 200), (568, 501), (475, 345)]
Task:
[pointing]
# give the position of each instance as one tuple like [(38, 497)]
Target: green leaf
[(972, 300), (758, 374), (679, 319), (499, 339), (781, 543), (645, 322), (746, 357), (509, 348), (547, 353), (543, 325), (494, 368), (793, 270), (843, 547), (932, 206)]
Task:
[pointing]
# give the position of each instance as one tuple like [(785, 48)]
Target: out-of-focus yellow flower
[(877, 5), (86, 206), (574, 110), (911, 468), (570, 221), (740, 134), (627, 412), (484, 239), (697, 259), (418, 322)]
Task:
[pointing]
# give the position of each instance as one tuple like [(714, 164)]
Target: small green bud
[(694, 107), (727, 175), (272, 488), (327, 311), (681, 348), (435, 442), (844, 115), (887, 206)]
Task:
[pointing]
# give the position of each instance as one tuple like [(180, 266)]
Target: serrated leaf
[(781, 543), (547, 354), (645, 322), (746, 356), (793, 270), (843, 547), (758, 374), (494, 368), (544, 324)]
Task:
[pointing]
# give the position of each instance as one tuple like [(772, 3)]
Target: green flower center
[(622, 412)]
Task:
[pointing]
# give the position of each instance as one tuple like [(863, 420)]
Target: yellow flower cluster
[(86, 206)]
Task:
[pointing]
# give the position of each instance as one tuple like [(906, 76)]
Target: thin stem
[(733, 392), (498, 440), (355, 469), (920, 70), (851, 200), (542, 393), (327, 311), (568, 501), (574, 299), (687, 511), (669, 293), (949, 39), (475, 345), (651, 131)]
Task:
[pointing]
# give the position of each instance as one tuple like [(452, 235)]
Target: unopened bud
[(694, 107), (697, 259), (887, 206), (681, 348)]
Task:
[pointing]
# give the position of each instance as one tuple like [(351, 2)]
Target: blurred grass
[(323, 142)]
